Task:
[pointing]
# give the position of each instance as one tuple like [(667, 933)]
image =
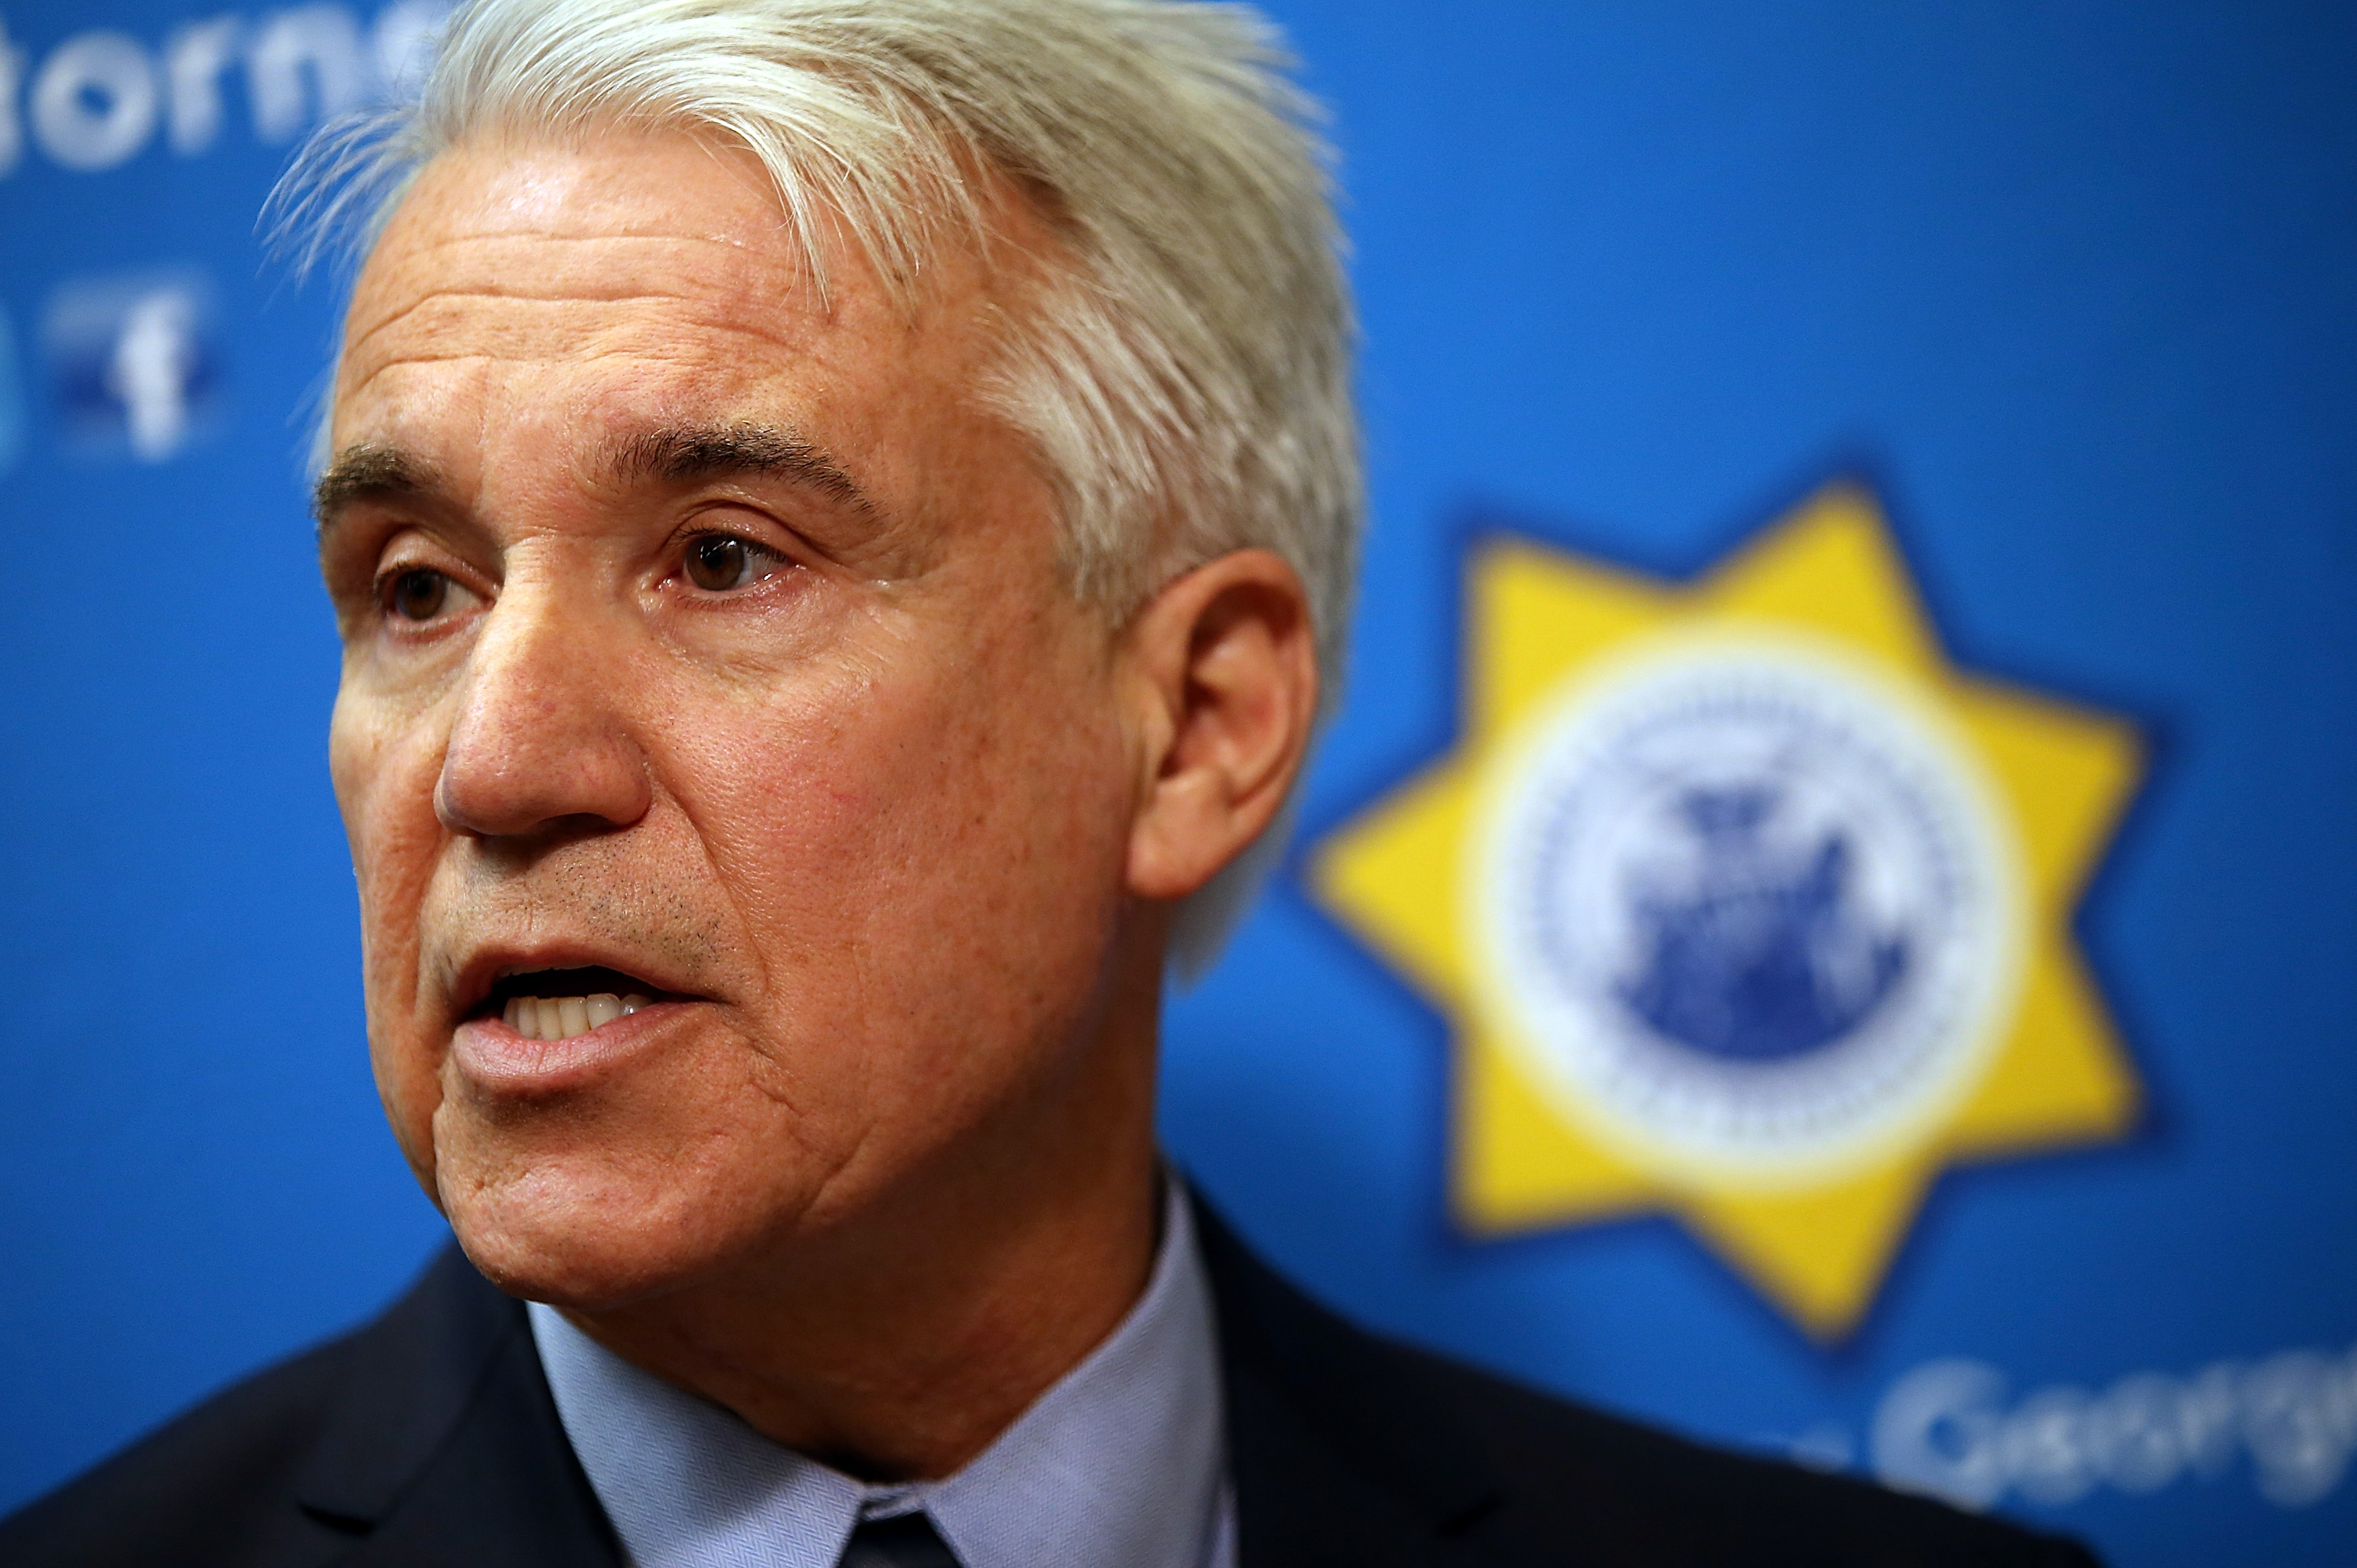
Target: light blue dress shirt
[(1122, 1463)]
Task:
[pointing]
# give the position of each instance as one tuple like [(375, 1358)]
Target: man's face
[(696, 632)]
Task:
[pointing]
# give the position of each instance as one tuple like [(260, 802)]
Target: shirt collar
[(1121, 1460)]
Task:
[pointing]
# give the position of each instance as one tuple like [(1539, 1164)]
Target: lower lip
[(495, 1057)]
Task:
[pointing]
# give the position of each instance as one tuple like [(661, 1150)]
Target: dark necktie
[(905, 1540)]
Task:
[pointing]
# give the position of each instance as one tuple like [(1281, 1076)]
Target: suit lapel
[(1336, 1456), (444, 1447)]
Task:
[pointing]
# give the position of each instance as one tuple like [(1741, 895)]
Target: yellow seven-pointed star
[(1745, 904)]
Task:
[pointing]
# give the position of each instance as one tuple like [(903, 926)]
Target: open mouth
[(558, 1004)]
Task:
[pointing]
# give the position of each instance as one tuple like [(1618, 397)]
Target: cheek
[(383, 785), (352, 748), (943, 848), (802, 808), (385, 776)]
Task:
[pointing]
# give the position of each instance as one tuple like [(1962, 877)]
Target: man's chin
[(589, 1246)]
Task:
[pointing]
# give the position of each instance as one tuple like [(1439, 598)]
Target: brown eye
[(420, 595), (718, 562)]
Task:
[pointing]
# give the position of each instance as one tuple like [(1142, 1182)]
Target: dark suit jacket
[(429, 1437)]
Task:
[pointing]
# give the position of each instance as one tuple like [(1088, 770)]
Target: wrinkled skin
[(890, 820)]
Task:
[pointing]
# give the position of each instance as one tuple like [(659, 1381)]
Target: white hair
[(1184, 367)]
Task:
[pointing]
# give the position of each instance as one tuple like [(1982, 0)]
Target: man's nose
[(541, 740)]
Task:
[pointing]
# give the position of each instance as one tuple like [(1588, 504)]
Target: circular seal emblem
[(1748, 911)]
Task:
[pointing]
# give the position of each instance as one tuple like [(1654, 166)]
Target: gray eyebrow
[(365, 472), (675, 454), (684, 453)]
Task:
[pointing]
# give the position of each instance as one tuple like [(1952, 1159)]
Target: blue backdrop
[(2076, 285)]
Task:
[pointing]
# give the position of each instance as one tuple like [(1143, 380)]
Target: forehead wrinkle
[(393, 322), (496, 276), (418, 252), (504, 268), (488, 357)]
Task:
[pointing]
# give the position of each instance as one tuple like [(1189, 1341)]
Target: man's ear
[(1224, 665)]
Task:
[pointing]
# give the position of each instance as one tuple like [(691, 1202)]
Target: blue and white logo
[(134, 360), (1748, 909)]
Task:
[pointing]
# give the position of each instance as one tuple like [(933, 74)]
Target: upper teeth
[(562, 1017)]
